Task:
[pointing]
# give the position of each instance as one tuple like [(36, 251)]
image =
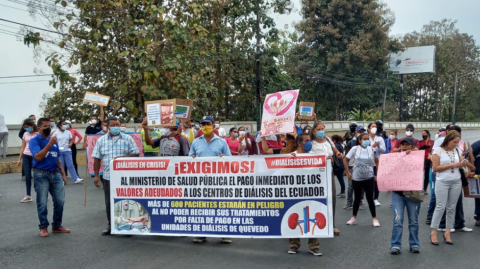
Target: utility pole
[(257, 61), (401, 99), (385, 97), (454, 116)]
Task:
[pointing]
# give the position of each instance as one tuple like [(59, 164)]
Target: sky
[(19, 100)]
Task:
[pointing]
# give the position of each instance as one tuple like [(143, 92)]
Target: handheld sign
[(183, 108), (401, 172), (96, 98), (279, 113), (161, 113), (306, 110)]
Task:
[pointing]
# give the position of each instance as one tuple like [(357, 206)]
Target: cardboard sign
[(279, 113), (96, 98), (161, 113), (401, 172), (306, 111), (473, 188), (183, 108)]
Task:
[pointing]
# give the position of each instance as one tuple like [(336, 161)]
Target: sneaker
[(464, 229), (341, 195), (61, 230), (376, 223), (24, 178), (377, 203), (428, 221), (352, 221), (415, 250), (316, 252), (26, 199), (44, 232), (477, 223), (226, 240), (394, 251), (292, 250), (351, 207), (79, 180), (199, 239)]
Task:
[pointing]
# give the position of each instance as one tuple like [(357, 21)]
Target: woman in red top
[(75, 135), (234, 143), (426, 144)]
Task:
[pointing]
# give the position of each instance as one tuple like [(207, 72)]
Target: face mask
[(242, 132), (235, 135), (207, 129), (409, 133), (217, 125), (320, 134), (365, 143), (94, 122), (105, 128), (373, 130), (52, 124), (115, 130), (29, 130), (303, 125), (166, 132), (246, 130), (123, 129), (424, 137), (352, 129), (197, 126), (47, 131), (392, 137), (186, 126), (380, 129), (64, 127), (308, 146)]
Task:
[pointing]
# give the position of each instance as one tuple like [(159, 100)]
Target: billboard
[(413, 60)]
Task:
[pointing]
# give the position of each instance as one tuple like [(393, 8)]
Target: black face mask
[(47, 131), (424, 137), (379, 129), (352, 129)]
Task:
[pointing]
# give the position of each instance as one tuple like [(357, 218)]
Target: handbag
[(463, 177), (415, 196)]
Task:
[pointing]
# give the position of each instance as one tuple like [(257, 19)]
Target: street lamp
[(454, 117)]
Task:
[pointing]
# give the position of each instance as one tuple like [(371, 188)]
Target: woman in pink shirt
[(233, 142), (26, 157), (75, 135)]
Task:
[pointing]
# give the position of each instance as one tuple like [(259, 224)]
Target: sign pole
[(454, 116), (401, 99)]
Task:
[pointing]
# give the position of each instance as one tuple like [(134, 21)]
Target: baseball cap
[(353, 123), (207, 119), (409, 140), (410, 126), (359, 128)]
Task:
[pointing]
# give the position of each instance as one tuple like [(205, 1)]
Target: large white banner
[(413, 60), (242, 196)]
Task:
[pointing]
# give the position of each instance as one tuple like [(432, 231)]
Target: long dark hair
[(312, 133), (337, 139), (59, 123), (30, 123), (359, 138), (428, 133)]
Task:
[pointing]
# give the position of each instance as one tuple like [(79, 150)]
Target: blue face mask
[(320, 134), (115, 130), (197, 126), (308, 146), (246, 131), (29, 130), (52, 124), (365, 143)]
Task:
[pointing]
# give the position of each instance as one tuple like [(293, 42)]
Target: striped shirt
[(107, 148), (216, 147)]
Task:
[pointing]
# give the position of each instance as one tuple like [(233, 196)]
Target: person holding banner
[(363, 176), (249, 147), (399, 203), (172, 143), (209, 145), (111, 146)]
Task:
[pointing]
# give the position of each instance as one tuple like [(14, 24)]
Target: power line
[(28, 76), (26, 25), (28, 81), (14, 8)]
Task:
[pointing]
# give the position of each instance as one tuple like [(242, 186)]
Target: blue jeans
[(339, 174), (150, 154), (45, 183), (27, 163), (399, 203), (477, 209), (433, 200), (66, 159)]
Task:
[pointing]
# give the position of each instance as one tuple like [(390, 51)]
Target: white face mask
[(392, 137), (123, 129), (93, 122), (373, 130), (409, 133), (217, 125), (105, 128), (303, 125)]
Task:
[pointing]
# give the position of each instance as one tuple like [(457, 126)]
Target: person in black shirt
[(380, 131), (94, 127), (350, 134)]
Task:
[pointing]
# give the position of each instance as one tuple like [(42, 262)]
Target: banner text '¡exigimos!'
[(230, 167)]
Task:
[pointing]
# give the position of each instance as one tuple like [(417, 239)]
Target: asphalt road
[(360, 246)]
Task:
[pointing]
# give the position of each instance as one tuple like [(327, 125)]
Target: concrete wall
[(15, 143)]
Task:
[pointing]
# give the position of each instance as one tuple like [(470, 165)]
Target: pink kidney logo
[(279, 103)]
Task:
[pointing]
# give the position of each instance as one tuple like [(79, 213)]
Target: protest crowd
[(49, 154)]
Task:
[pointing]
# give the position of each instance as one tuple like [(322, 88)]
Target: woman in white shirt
[(323, 145), (378, 145), (446, 163), (65, 141), (363, 176)]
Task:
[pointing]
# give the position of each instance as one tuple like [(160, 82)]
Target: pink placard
[(401, 172), (279, 113), (92, 141)]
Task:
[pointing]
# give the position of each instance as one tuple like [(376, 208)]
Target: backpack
[(182, 141)]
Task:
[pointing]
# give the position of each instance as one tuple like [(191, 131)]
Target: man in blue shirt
[(48, 177), (476, 155), (113, 145), (209, 145)]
